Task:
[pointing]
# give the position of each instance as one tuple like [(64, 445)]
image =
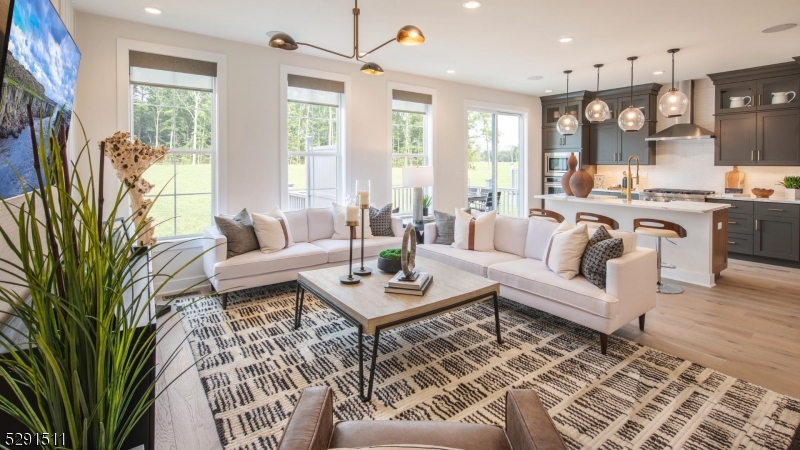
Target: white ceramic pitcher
[(782, 97), (738, 102)]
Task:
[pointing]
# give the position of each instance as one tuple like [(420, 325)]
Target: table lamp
[(417, 178)]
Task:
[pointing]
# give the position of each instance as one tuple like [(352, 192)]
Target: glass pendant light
[(567, 124), (597, 110), (674, 103), (632, 118)]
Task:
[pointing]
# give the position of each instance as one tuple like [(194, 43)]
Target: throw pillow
[(445, 227), (341, 230), (380, 220), (474, 233), (272, 231), (566, 249), (629, 238), (600, 249), (239, 232)]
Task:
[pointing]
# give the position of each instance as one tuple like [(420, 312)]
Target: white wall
[(253, 166)]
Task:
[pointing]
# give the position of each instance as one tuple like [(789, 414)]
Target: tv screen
[(41, 69)]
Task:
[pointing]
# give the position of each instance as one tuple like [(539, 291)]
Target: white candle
[(351, 214), (364, 198)]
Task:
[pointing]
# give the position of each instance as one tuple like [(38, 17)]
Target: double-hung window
[(411, 114), (314, 130), (173, 104)]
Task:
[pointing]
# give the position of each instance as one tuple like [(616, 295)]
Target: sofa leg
[(603, 343), (225, 301), (641, 322)]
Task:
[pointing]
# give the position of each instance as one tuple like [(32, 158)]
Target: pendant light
[(597, 110), (632, 119), (674, 103), (567, 124)]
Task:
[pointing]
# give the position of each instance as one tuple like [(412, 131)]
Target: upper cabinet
[(555, 106), (758, 116)]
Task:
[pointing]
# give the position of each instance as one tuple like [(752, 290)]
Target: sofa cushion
[(239, 231), (466, 436), (320, 223), (380, 220), (340, 228), (272, 232), (445, 227), (248, 264), (538, 237), (510, 234), (629, 238), (298, 224), (474, 233), (467, 260), (339, 250), (566, 250), (534, 277)]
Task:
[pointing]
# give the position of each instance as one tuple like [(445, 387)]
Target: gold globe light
[(567, 124), (674, 103), (282, 41), (372, 69), (410, 35), (632, 118)]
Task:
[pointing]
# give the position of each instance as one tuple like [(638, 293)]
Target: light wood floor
[(747, 327)]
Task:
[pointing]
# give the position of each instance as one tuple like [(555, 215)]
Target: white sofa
[(516, 263), (311, 230)]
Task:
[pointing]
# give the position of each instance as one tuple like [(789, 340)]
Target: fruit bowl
[(762, 193)]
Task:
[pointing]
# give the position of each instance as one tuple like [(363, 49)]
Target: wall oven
[(555, 164), (552, 185)]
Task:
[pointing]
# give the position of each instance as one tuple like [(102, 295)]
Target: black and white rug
[(451, 368)]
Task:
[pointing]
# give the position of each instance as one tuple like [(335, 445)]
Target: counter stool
[(545, 214), (660, 229), (596, 220)]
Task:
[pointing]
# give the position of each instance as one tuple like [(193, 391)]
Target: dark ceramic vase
[(572, 164), (581, 183), (389, 265)]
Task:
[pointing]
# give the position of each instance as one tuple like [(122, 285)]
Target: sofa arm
[(633, 277), (311, 424), (528, 426), (215, 249), (397, 226), (429, 236)]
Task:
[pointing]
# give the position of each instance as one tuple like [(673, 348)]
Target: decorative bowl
[(762, 193), (389, 265)]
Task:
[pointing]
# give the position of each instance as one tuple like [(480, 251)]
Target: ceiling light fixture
[(472, 4), (632, 119), (674, 103), (567, 124), (597, 111), (658, 72), (547, 91), (152, 10), (779, 28), (451, 71), (564, 40), (408, 35)]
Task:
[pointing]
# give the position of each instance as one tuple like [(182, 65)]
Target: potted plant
[(389, 260), (792, 185), (427, 201)]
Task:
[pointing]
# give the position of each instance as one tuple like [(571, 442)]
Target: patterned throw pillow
[(445, 228), (240, 233), (600, 249), (380, 220)]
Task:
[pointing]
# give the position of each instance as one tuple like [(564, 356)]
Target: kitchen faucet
[(631, 177)]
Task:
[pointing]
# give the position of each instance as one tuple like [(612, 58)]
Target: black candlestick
[(350, 278), (363, 271)]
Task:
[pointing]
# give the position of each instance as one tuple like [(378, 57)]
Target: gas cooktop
[(668, 195)]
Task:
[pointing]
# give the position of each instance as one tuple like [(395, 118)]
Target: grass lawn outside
[(193, 212)]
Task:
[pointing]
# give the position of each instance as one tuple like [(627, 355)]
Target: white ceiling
[(504, 42)]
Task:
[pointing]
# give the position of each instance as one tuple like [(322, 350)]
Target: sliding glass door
[(495, 170)]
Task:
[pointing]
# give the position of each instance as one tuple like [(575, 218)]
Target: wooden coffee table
[(371, 310)]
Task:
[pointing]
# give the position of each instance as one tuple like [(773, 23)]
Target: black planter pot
[(389, 265), (425, 212)]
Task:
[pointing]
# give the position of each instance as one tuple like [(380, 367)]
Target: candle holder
[(362, 192), (351, 220)]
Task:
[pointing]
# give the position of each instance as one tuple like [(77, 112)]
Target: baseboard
[(178, 285)]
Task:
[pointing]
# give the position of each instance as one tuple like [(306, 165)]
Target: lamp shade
[(417, 176), (410, 35), (673, 104), (372, 69), (283, 41)]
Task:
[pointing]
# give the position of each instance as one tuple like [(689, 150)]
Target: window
[(314, 144), (176, 110), (410, 142)]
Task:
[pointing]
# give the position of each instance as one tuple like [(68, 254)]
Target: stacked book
[(418, 285)]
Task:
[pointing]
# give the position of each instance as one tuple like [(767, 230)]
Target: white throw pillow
[(566, 250), (537, 240), (474, 233), (272, 232), (341, 230)]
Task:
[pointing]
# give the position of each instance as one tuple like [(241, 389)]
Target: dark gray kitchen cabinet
[(778, 138), (736, 138), (604, 143), (777, 237), (553, 140), (555, 106)]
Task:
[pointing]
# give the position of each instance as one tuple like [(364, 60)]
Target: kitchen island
[(699, 257)]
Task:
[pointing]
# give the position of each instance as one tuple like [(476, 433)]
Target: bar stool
[(545, 214), (596, 220), (660, 229)]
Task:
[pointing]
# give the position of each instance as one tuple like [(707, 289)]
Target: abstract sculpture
[(131, 159), (408, 257)]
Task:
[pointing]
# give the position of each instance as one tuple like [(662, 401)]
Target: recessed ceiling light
[(658, 72), (779, 28), (564, 40), (471, 4), (535, 78), (152, 10), (548, 91), (451, 71)]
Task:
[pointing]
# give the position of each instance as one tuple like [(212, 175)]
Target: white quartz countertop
[(754, 199), (690, 207)]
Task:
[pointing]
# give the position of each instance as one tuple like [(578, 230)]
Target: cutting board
[(734, 181)]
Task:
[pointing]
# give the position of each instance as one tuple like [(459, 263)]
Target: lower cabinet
[(777, 237), (767, 229)]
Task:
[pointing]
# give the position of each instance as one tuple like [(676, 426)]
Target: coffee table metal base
[(300, 296)]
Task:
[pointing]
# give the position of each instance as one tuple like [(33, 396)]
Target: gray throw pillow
[(380, 220), (240, 233), (445, 227), (599, 250)]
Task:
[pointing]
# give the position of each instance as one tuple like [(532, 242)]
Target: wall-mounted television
[(40, 67)]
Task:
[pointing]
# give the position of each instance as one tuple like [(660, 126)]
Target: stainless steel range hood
[(684, 128)]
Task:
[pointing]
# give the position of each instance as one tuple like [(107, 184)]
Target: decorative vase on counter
[(792, 194), (572, 163), (581, 183)]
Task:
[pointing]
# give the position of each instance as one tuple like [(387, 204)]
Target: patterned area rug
[(254, 366)]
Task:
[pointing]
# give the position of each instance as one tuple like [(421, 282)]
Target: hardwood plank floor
[(748, 327)]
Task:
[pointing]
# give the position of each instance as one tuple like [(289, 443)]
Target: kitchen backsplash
[(690, 164)]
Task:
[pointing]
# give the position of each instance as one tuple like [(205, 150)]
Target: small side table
[(419, 228)]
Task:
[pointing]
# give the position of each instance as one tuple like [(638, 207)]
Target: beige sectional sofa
[(516, 263)]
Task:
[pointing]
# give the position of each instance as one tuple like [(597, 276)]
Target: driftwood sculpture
[(131, 159), (408, 256)]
